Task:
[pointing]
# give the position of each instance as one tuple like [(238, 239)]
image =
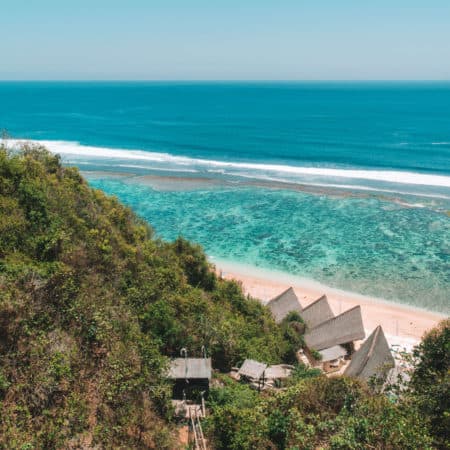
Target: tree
[(430, 381)]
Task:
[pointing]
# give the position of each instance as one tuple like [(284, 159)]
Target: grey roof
[(329, 354), (374, 357), (278, 371), (283, 304), (347, 327), (190, 368), (252, 369), (317, 312)]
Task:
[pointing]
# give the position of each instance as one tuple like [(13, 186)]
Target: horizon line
[(218, 80)]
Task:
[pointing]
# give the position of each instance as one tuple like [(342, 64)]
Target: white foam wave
[(138, 166), (390, 176), (353, 187)]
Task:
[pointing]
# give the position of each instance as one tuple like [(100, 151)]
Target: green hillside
[(92, 304)]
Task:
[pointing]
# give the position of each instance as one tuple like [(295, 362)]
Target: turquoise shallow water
[(362, 244), (362, 171)]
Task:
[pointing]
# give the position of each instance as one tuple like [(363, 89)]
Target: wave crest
[(299, 174)]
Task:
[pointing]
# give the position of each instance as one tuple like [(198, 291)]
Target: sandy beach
[(403, 325)]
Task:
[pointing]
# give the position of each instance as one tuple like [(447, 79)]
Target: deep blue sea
[(347, 184)]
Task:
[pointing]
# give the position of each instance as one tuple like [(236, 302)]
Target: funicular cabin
[(191, 377)]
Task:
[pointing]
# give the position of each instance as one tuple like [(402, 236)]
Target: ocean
[(347, 184)]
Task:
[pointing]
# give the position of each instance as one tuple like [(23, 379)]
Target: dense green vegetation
[(92, 304), (316, 412), (429, 388)]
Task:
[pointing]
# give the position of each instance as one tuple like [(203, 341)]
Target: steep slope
[(91, 305)]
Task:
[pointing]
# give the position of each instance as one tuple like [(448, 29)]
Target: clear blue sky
[(230, 39)]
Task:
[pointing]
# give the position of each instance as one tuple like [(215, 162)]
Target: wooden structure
[(373, 359), (191, 376), (340, 330), (195, 426), (276, 374), (254, 372), (283, 304)]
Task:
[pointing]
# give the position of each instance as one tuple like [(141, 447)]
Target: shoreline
[(404, 325)]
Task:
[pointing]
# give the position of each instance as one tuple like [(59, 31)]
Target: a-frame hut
[(317, 312), (343, 329), (283, 304), (374, 357)]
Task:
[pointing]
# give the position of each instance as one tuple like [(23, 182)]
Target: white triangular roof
[(283, 304), (374, 357), (317, 312), (342, 329)]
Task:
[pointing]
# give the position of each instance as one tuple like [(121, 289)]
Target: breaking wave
[(70, 151)]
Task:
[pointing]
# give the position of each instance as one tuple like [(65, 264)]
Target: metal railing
[(197, 431)]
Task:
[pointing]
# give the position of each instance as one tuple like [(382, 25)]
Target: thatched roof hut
[(342, 329), (283, 304), (374, 357), (317, 312), (252, 369)]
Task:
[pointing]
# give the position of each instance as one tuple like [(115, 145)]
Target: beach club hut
[(191, 376), (340, 330), (317, 312), (374, 358), (283, 304)]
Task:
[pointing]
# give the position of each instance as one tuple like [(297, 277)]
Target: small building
[(332, 359), (317, 312), (260, 375), (254, 372), (274, 375), (340, 330), (191, 376), (278, 372), (373, 359), (283, 304)]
